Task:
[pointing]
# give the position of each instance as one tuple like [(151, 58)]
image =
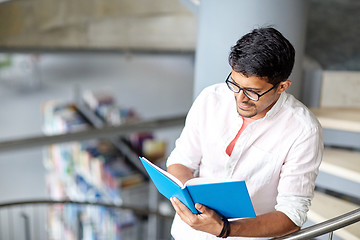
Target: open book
[(229, 199)]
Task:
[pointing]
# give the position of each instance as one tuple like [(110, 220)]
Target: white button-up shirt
[(278, 155)]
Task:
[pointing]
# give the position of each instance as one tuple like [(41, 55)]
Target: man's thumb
[(200, 207)]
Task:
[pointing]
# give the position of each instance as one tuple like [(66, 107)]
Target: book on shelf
[(228, 198), (92, 170)]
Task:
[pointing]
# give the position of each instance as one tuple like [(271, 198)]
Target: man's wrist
[(225, 231)]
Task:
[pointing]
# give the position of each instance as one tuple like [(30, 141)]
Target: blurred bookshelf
[(99, 170)]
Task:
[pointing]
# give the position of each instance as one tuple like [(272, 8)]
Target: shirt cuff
[(295, 207)]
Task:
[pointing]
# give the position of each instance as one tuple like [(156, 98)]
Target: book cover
[(228, 198)]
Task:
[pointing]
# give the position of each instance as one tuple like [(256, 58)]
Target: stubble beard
[(247, 113)]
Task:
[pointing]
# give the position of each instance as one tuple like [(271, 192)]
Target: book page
[(203, 180), (173, 178)]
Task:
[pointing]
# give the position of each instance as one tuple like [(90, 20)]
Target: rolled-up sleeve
[(295, 207), (298, 175)]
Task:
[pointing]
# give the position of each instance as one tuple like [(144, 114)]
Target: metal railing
[(137, 210), (328, 226), (103, 132), (316, 230), (32, 220)]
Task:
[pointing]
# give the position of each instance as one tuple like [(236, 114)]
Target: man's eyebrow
[(249, 88), (254, 89)]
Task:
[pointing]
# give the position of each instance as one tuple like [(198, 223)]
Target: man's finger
[(179, 205), (200, 207), (184, 212), (175, 205)]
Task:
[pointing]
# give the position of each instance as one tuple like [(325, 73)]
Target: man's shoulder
[(214, 99), (218, 88), (215, 92), (300, 112)]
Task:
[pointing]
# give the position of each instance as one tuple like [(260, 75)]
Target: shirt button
[(228, 166)]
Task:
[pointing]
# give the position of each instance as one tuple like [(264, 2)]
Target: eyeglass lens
[(253, 96)]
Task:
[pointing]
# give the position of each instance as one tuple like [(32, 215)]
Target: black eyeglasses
[(249, 93)]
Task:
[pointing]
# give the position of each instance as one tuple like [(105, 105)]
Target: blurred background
[(70, 66)]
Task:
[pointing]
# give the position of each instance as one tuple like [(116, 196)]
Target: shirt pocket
[(257, 166)]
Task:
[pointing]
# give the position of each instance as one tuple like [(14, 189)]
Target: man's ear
[(283, 86)]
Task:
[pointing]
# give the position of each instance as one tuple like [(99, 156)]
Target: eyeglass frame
[(227, 81)]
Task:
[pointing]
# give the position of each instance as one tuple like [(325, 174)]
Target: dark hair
[(264, 52)]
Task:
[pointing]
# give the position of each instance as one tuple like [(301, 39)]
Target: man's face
[(249, 108)]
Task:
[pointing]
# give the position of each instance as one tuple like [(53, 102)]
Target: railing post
[(331, 235), (27, 226)]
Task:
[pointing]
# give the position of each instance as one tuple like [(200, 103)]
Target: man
[(263, 136)]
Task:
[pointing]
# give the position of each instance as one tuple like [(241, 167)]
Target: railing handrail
[(103, 132), (325, 227), (136, 210), (306, 233)]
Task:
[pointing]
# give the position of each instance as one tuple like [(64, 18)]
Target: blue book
[(228, 198)]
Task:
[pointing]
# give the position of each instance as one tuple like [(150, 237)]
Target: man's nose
[(242, 96)]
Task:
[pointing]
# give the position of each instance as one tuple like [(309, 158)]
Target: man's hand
[(208, 221)]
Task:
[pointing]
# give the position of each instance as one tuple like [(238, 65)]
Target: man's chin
[(245, 113)]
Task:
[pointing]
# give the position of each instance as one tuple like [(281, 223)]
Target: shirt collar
[(277, 106), (273, 111)]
